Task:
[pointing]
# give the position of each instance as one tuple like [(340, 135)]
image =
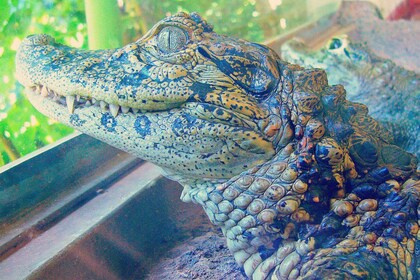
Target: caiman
[(303, 183), (391, 92)]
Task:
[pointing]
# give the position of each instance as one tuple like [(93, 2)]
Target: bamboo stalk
[(103, 24)]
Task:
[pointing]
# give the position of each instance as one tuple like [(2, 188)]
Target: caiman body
[(303, 183)]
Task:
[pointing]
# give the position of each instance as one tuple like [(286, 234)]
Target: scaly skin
[(391, 93), (303, 183)]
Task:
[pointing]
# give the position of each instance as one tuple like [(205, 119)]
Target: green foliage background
[(23, 129)]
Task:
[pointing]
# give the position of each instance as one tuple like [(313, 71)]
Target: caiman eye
[(171, 39)]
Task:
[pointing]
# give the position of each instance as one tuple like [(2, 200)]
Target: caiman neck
[(262, 208)]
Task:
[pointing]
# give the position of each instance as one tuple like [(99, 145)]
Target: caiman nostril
[(38, 39)]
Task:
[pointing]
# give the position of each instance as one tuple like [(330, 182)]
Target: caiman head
[(196, 103)]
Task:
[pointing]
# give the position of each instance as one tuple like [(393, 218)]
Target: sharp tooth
[(38, 89), (93, 100), (103, 106), (135, 111), (44, 91), (70, 103), (114, 109), (87, 104), (77, 98), (125, 109)]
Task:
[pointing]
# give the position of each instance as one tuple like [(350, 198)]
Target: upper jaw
[(121, 80), (75, 78)]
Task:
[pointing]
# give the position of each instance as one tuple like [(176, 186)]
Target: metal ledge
[(107, 224), (42, 188), (126, 243), (43, 250)]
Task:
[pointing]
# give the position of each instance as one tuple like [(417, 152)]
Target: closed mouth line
[(76, 101)]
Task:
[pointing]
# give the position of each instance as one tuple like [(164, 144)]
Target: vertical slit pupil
[(169, 40)]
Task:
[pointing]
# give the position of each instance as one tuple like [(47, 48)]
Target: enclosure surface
[(202, 257)]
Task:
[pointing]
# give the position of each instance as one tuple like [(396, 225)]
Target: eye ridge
[(171, 39)]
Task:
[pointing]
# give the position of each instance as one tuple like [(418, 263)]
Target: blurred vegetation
[(23, 129)]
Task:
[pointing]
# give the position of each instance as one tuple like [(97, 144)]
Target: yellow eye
[(171, 39)]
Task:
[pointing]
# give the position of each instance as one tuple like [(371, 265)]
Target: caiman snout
[(34, 50), (38, 40)]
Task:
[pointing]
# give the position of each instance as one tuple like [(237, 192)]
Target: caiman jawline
[(77, 101)]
